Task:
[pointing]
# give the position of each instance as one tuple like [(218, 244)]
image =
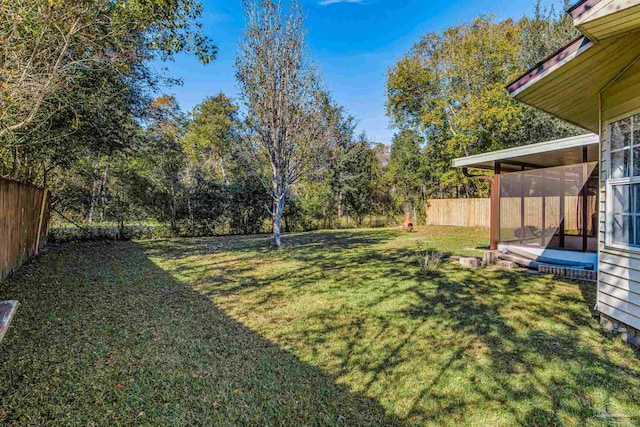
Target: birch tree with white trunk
[(287, 135)]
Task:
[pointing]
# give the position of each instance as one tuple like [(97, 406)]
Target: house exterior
[(594, 82)]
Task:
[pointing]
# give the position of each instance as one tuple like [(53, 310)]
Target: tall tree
[(407, 170), (343, 133), (212, 131), (543, 33), (287, 132), (451, 88), (355, 179), (164, 153), (53, 50), (382, 200)]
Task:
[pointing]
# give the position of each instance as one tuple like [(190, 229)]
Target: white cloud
[(328, 2)]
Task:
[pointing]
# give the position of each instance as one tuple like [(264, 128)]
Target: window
[(624, 182)]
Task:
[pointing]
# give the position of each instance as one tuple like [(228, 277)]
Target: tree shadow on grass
[(448, 348), (103, 336), (530, 333), (210, 264), (455, 344), (262, 244)]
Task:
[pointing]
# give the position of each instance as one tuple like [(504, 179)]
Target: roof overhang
[(582, 8), (568, 83), (560, 152), (601, 19)]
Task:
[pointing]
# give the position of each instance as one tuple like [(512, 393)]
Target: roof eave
[(476, 161), (581, 7), (548, 65)]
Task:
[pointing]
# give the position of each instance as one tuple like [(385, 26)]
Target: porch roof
[(559, 152)]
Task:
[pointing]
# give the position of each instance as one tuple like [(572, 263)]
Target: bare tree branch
[(283, 97)]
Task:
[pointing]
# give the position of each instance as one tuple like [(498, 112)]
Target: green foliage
[(451, 88), (542, 35), (167, 175), (349, 187), (212, 208), (212, 132), (74, 75), (355, 181), (313, 206), (111, 152), (408, 169)]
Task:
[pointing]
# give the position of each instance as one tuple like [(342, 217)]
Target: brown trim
[(495, 207), (582, 7), (524, 164), (522, 207), (494, 234), (562, 227), (575, 6), (585, 199), (544, 209), (554, 59)]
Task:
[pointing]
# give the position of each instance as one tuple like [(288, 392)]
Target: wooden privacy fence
[(477, 212), (459, 212), (511, 214), (24, 220)]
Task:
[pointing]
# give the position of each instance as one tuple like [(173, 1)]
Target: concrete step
[(541, 259), (506, 265)]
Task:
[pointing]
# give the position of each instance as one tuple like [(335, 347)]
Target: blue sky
[(353, 43)]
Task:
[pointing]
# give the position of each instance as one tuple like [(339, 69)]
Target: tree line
[(450, 89), (80, 114)]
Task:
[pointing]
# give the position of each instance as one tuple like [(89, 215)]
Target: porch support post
[(585, 202), (495, 208), (544, 209), (494, 235), (562, 207), (522, 207)]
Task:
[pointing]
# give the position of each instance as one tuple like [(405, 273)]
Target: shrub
[(429, 259)]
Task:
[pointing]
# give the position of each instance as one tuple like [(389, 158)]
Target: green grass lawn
[(340, 328)]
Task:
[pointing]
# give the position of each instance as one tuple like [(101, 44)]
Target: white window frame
[(612, 182)]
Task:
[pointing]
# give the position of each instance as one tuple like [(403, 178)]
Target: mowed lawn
[(339, 328)]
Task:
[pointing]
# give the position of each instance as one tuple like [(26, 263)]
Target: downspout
[(495, 203)]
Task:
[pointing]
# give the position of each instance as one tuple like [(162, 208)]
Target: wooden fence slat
[(24, 217), (459, 212), (477, 212)]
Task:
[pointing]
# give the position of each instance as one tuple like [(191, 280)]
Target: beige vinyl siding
[(622, 97), (619, 269)]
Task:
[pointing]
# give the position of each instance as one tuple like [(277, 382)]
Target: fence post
[(41, 220)]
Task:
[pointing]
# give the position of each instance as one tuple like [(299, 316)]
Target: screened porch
[(544, 196), (552, 208)]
